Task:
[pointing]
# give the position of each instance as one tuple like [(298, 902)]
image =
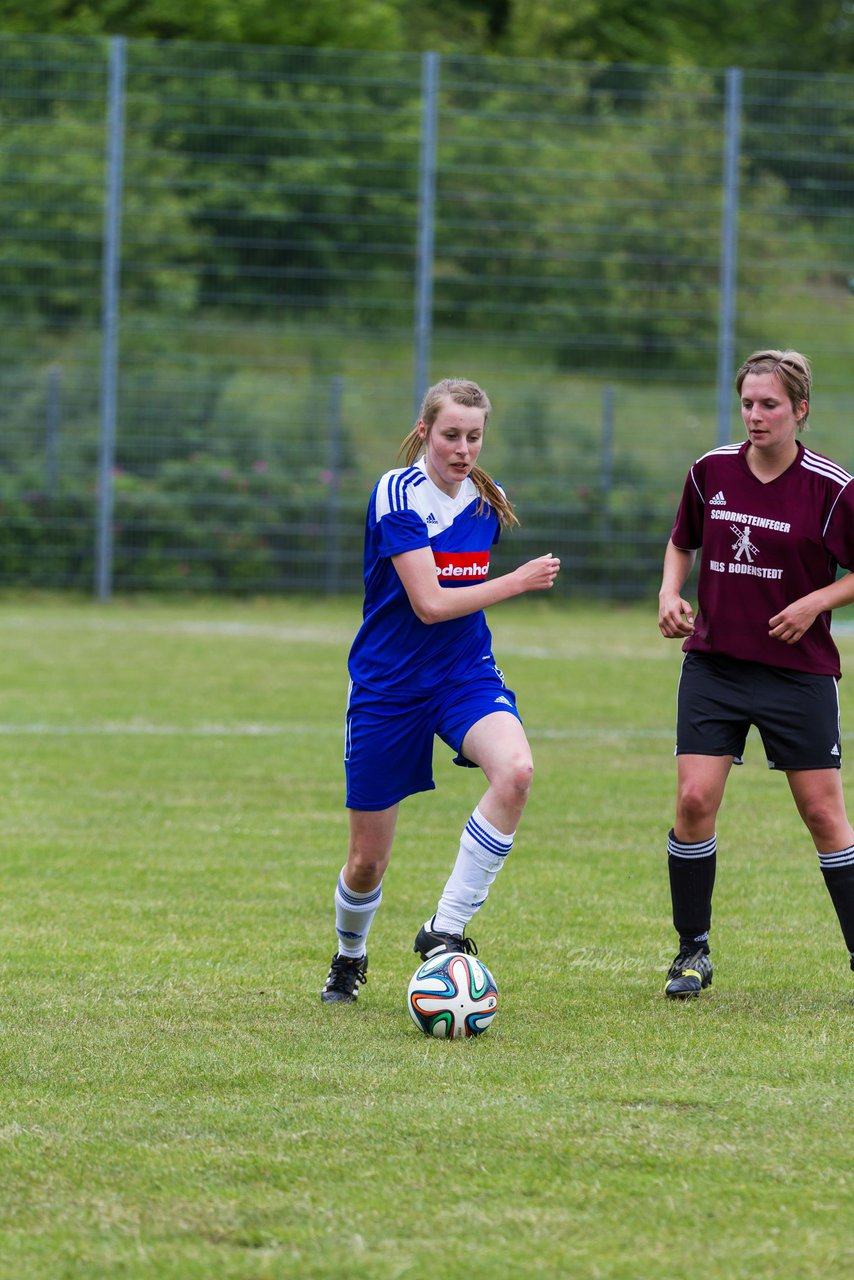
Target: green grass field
[(177, 1103)]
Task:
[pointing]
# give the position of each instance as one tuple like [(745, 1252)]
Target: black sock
[(838, 872), (692, 879)]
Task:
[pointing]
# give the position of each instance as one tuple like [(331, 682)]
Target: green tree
[(580, 213), (370, 24), (797, 35), (52, 178)]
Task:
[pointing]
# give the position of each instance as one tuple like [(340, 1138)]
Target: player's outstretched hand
[(539, 574)]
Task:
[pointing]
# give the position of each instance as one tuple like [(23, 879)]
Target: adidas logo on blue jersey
[(431, 519), (506, 701)]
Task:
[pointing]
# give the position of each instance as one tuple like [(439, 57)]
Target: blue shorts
[(388, 748)]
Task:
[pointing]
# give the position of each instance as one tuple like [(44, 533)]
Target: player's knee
[(516, 776), (696, 806), (822, 819), (365, 868)]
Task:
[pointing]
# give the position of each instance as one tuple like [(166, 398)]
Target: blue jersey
[(393, 650)]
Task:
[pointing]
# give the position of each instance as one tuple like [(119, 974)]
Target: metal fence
[(227, 274)]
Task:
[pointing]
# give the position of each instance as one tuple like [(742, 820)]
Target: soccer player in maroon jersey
[(772, 521)]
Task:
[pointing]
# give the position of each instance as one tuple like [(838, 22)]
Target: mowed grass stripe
[(135, 729)]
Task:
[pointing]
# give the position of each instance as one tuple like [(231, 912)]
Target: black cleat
[(428, 943), (690, 972), (345, 977)]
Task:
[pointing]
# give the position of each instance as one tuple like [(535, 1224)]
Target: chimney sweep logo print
[(743, 545)]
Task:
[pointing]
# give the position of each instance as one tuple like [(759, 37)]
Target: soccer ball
[(452, 995)]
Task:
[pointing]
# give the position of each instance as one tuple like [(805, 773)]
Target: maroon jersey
[(763, 546)]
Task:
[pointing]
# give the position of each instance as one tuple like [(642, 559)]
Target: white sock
[(483, 850), (354, 914)]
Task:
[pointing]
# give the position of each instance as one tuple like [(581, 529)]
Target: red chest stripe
[(461, 568)]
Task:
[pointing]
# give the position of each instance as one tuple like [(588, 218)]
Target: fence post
[(606, 485), (426, 225), (729, 251), (110, 266), (52, 418), (606, 459), (333, 515)]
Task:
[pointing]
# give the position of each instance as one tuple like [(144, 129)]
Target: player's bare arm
[(797, 618), (675, 614), (432, 602)]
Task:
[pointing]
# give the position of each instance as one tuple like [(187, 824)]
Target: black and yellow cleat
[(689, 974)]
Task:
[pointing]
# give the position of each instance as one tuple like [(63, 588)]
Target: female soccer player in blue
[(421, 665), (772, 521)]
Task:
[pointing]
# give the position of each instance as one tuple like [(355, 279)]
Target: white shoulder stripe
[(825, 467), (723, 448)]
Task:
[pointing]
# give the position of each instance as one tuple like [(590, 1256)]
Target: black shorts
[(796, 712)]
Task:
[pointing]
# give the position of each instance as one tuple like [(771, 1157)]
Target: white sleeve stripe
[(824, 467), (833, 508), (838, 476), (723, 448)]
